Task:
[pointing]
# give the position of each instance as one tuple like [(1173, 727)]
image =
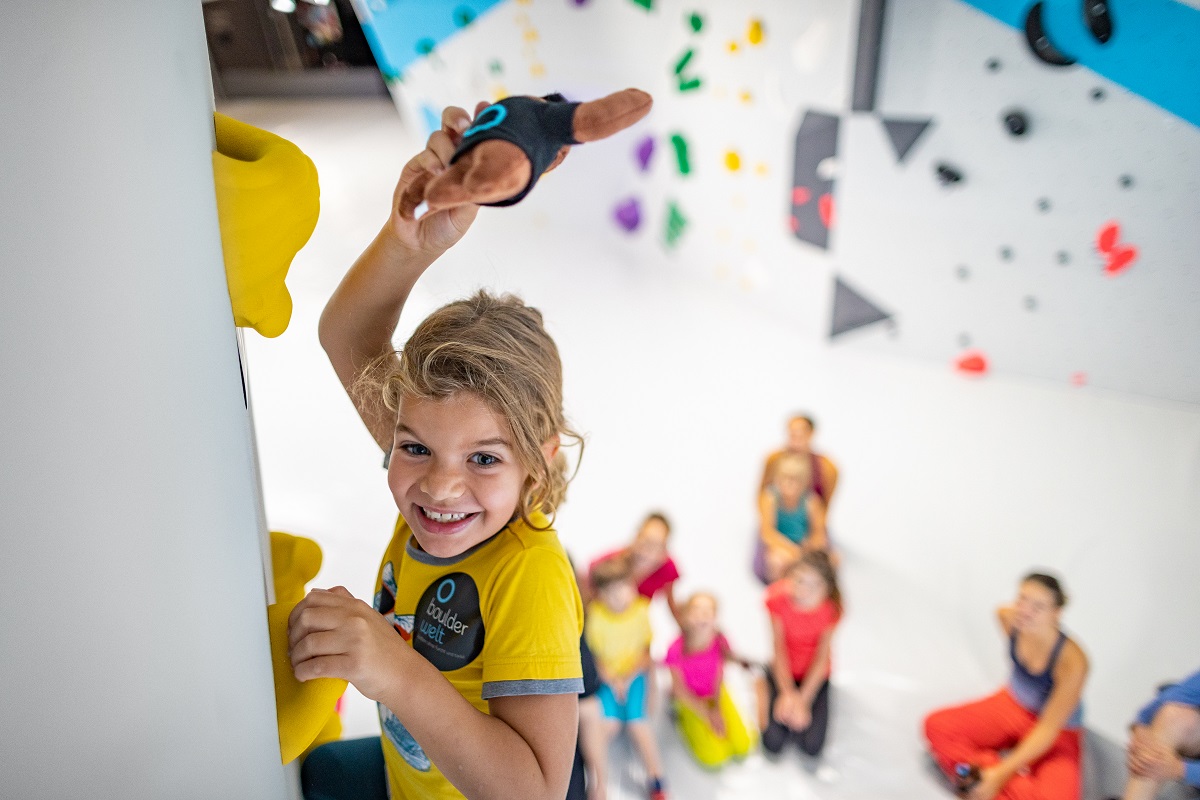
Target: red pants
[(975, 733)]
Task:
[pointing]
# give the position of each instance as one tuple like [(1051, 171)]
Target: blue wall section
[(1154, 51), (403, 31)]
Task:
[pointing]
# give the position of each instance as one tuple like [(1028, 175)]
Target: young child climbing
[(708, 721), (472, 647), (805, 606), (791, 518), (618, 633)]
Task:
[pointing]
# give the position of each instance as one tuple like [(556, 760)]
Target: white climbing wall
[(133, 639)]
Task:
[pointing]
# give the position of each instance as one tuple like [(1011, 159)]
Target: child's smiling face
[(454, 472)]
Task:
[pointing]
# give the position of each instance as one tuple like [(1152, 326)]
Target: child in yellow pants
[(708, 721)]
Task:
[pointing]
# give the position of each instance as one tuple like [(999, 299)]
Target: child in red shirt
[(805, 606), (654, 571)]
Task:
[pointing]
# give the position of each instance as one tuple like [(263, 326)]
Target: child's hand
[(800, 716), (434, 232), (716, 721), (333, 635)]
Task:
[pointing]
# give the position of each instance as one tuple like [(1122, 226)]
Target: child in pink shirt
[(708, 721)]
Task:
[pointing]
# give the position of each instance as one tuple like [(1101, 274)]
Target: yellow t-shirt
[(502, 619), (619, 641)]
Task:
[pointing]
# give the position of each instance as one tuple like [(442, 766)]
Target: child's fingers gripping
[(317, 644), (455, 120), (333, 666), (320, 611)]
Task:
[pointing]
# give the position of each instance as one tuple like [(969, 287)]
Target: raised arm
[(360, 318), (1004, 617)]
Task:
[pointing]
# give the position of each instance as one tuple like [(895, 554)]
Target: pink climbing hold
[(825, 208), (801, 195)]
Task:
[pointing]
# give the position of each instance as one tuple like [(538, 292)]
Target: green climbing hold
[(689, 85), (646, 4), (696, 21), (463, 16), (681, 154), (496, 68), (676, 224), (425, 46), (681, 65)]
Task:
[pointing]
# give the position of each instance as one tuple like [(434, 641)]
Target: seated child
[(708, 720), (618, 633), (791, 518), (805, 607), (650, 563)]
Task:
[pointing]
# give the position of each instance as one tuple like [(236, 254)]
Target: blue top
[(1032, 691), (1186, 692), (792, 524)]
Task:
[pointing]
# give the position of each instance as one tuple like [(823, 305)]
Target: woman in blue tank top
[(1024, 741)]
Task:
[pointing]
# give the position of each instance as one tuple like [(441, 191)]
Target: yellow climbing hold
[(537, 70), (267, 205), (745, 96), (760, 169), (755, 34), (733, 46), (733, 162)]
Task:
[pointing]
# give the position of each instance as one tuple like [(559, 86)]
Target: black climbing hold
[(904, 134), (1031, 303), (993, 65), (1039, 42), (1016, 122), (964, 340), (1043, 204), (948, 175), (1097, 94), (963, 273), (1099, 19), (852, 311), (1126, 181), (1006, 253), (1063, 257)]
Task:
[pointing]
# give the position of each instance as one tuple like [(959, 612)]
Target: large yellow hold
[(307, 711), (267, 205)]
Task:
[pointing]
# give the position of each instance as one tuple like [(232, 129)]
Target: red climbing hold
[(801, 195), (825, 207), (1117, 257), (1079, 379), (972, 362)]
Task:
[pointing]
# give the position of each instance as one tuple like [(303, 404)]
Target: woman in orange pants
[(1023, 742)]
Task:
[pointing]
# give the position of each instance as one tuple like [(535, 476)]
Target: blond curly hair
[(496, 348)]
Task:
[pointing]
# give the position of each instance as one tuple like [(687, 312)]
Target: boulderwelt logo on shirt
[(448, 629)]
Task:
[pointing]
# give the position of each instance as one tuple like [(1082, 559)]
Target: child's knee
[(937, 726), (1179, 724)]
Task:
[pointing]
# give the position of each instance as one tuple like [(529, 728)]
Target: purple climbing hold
[(645, 150), (629, 214)]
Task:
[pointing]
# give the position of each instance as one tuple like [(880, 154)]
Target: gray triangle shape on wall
[(851, 310), (904, 134)]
